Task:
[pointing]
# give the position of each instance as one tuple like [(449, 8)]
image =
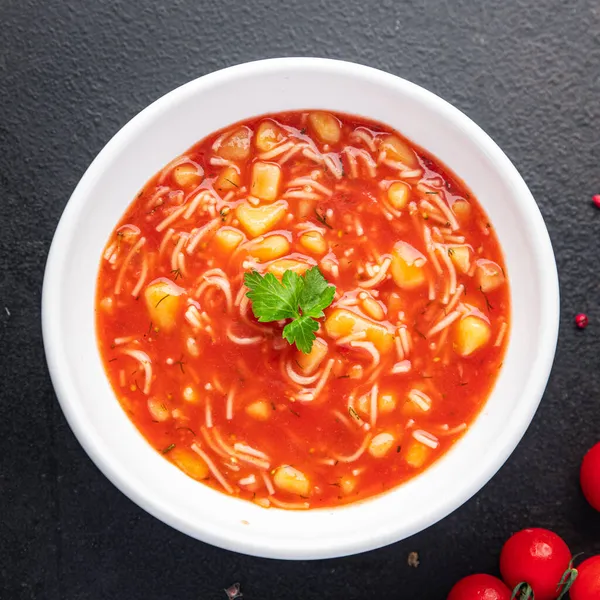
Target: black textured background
[(73, 72)]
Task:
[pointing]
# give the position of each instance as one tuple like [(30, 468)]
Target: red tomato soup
[(404, 357)]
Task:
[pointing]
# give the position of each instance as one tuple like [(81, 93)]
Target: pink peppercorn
[(581, 321)]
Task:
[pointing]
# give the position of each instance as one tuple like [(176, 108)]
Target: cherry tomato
[(587, 584), (479, 587), (590, 476), (538, 557)]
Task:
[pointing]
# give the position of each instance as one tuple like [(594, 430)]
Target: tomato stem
[(522, 591), (567, 580)]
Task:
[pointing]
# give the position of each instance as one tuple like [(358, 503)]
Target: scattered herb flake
[(294, 412), (163, 298), (176, 274), (322, 219), (487, 302), (353, 413), (168, 448)]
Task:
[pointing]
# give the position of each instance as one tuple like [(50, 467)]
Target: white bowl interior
[(169, 127)]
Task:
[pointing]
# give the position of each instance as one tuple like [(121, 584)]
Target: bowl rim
[(519, 419)]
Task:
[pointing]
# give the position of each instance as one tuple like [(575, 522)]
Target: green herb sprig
[(301, 298)]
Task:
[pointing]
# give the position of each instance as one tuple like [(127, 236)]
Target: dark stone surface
[(73, 72)]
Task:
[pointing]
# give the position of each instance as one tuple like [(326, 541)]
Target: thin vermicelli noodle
[(404, 356)]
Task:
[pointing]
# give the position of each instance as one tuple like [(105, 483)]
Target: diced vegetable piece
[(279, 267), (189, 462), (381, 444), (363, 404), (259, 410), (462, 209), (228, 238), (158, 409), (348, 484), (326, 127), (310, 362), (398, 194), (314, 242), (190, 394), (417, 454), (342, 322), (163, 299), (488, 275), (268, 135), (408, 266), (291, 480), (257, 220), (236, 146), (187, 175), (387, 402), (270, 247), (472, 333), (373, 308), (461, 257), (229, 179), (265, 180), (398, 150)]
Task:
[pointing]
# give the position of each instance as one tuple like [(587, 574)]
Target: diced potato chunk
[(314, 242), (373, 308), (461, 257), (279, 267), (228, 238), (408, 266), (158, 409), (348, 484), (387, 403), (398, 194), (417, 454), (488, 275), (270, 247), (462, 209), (268, 135), (472, 333), (291, 480), (363, 405), (189, 462), (190, 394), (398, 150), (257, 220), (163, 299), (265, 180), (187, 175), (259, 410), (381, 444), (310, 362), (326, 127), (236, 146), (229, 179), (342, 322)]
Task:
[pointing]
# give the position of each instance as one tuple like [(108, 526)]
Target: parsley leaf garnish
[(300, 298)]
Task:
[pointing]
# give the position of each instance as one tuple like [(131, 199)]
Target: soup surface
[(405, 355)]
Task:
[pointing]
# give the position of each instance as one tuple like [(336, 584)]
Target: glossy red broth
[(406, 355)]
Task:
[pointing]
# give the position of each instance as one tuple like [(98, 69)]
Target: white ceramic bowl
[(167, 128)]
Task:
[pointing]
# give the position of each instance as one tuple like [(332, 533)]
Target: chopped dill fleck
[(186, 429), (273, 406), (163, 298), (176, 274), (294, 412), (303, 131), (450, 252), (149, 329), (180, 363), (398, 448), (233, 184), (112, 360), (322, 219), (353, 413), (463, 383), (487, 302), (168, 448), (432, 193), (335, 483), (421, 334)]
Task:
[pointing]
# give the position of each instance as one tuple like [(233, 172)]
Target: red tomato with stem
[(587, 584), (538, 558), (479, 587), (590, 476)]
